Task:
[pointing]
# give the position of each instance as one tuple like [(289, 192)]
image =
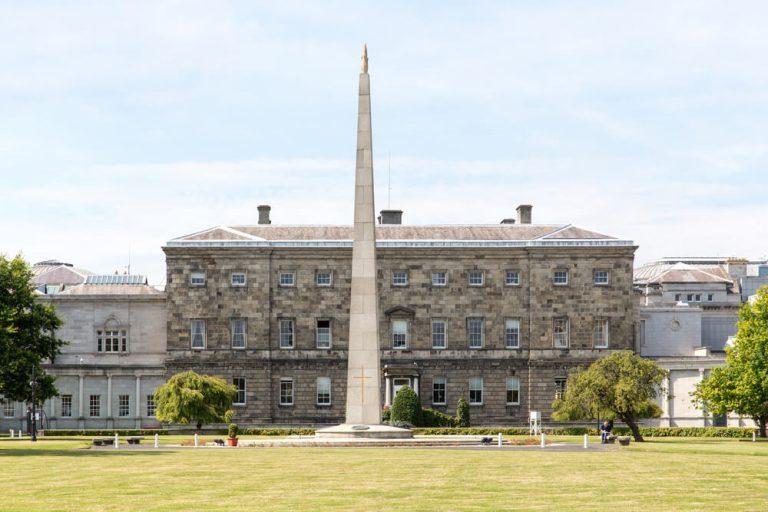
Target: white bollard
[(117, 441), (20, 436), (12, 433), (543, 442), (754, 436), (197, 441), (500, 440), (157, 440), (586, 440)]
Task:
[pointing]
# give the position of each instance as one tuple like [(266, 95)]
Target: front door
[(398, 384)]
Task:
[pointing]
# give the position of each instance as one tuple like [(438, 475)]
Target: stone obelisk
[(363, 366)]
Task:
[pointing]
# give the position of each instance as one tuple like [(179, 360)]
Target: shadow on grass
[(77, 452)]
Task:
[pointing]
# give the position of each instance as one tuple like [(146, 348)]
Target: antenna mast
[(389, 179)]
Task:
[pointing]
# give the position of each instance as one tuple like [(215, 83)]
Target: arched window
[(112, 337)]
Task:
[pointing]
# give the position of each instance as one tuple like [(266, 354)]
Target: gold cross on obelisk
[(362, 378)]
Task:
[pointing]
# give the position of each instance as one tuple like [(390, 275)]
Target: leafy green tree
[(741, 386), (620, 386), (462, 413), (188, 397), (406, 407), (27, 335)]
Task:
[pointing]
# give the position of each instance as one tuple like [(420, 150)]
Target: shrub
[(462, 413), (385, 415), (402, 424), (233, 430), (105, 433), (406, 407), (433, 418)]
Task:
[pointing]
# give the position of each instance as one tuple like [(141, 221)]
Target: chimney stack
[(264, 214), (524, 214), (391, 217)]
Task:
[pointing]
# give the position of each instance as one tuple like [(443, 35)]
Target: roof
[(57, 272), (395, 235), (664, 273), (110, 289)]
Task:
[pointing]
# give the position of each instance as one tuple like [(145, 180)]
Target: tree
[(741, 386), (620, 386), (406, 408), (462, 413), (27, 335), (191, 398)]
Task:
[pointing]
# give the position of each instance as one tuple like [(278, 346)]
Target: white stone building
[(115, 326), (688, 310)]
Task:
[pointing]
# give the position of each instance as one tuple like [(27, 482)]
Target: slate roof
[(110, 289), (56, 272), (477, 232), (664, 273)]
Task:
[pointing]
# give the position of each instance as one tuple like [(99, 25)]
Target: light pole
[(33, 383)]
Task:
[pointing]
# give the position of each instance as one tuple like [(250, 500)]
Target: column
[(416, 384), (138, 401), (109, 398), (387, 391), (80, 395), (665, 402), (704, 412)]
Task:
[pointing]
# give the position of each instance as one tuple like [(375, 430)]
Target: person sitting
[(605, 431)]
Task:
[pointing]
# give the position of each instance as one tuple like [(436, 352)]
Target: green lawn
[(700, 474)]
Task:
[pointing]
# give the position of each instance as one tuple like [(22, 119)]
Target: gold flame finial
[(364, 64)]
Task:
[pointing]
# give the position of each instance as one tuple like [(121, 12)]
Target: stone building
[(115, 327), (496, 314), (688, 309)]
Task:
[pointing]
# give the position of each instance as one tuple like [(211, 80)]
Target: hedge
[(730, 432), (104, 433)]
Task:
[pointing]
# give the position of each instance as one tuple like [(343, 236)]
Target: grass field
[(679, 474)]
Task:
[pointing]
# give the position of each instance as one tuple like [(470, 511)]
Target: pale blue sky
[(125, 124)]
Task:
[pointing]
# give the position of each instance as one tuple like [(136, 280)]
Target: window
[(476, 391), (237, 329), (560, 387), (677, 297), (239, 383), (286, 391), (9, 409), (400, 278), (560, 333), (476, 278), (513, 391), (601, 333), (197, 279), (690, 297), (123, 405), (286, 333), (52, 289), (287, 279), (399, 334), (94, 406), (112, 340), (323, 278), (697, 297), (601, 277), (439, 278), (512, 333), (150, 405), (438, 333), (66, 406), (710, 297), (198, 334), (238, 279), (323, 391), (476, 332), (323, 334), (512, 278), (560, 277), (438, 391)]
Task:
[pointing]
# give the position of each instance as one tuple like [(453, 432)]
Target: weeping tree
[(621, 386), (27, 335), (741, 386), (192, 398)]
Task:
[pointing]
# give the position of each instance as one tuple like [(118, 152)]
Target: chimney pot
[(264, 214), (391, 217), (524, 214)]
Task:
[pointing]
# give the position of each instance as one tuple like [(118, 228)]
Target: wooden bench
[(135, 440), (103, 441)]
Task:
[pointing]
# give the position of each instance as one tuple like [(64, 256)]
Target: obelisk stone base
[(346, 430)]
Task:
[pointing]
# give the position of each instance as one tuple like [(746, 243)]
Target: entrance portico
[(396, 377)]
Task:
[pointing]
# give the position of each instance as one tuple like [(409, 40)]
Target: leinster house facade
[(496, 314)]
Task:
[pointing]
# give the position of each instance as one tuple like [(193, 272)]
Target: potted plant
[(232, 434)]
